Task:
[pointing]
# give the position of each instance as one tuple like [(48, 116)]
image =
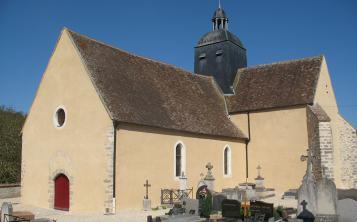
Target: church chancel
[(104, 121)]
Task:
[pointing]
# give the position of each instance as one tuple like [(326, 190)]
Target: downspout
[(246, 146), (114, 165)]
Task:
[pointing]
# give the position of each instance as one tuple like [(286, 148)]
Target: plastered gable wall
[(148, 153), (325, 97), (278, 139), (79, 148)]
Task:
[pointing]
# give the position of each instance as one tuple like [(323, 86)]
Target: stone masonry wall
[(109, 204), (326, 150), (314, 143), (348, 138)]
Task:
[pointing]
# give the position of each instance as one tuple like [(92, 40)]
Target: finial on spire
[(219, 3)]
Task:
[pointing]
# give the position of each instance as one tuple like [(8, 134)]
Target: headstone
[(260, 207), (290, 194), (231, 209), (146, 204), (307, 191), (6, 209), (347, 209), (326, 197), (204, 196), (234, 193), (217, 201), (191, 206), (177, 210)]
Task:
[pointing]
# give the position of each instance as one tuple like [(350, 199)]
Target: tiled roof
[(142, 91), (275, 85)]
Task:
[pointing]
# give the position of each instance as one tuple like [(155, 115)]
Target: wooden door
[(61, 193)]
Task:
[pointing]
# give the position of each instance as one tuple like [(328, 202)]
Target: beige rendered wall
[(77, 149), (325, 96), (148, 153), (278, 139)]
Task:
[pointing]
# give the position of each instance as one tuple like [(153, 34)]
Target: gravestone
[(308, 191), (217, 201), (204, 196), (231, 209), (326, 197), (260, 207), (234, 193), (6, 209), (191, 206), (347, 209)]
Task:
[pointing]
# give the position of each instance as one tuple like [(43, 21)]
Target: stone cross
[(209, 175), (147, 185), (209, 166), (259, 168)]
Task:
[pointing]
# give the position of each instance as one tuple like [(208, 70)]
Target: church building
[(103, 121)]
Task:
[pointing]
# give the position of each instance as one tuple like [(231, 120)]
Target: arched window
[(179, 159), (227, 161)]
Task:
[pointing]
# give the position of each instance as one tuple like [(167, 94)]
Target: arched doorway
[(61, 192)]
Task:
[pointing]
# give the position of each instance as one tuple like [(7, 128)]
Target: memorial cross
[(147, 185)]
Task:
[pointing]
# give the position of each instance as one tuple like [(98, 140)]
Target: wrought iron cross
[(147, 185), (303, 204)]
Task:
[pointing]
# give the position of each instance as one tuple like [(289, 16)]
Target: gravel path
[(61, 216)]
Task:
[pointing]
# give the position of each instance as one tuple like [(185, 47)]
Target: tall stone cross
[(147, 185), (209, 175)]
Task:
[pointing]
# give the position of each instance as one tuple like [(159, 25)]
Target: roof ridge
[(135, 55), (283, 62)]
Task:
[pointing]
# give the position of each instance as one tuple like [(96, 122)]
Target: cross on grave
[(209, 166), (147, 185), (259, 168), (303, 204)]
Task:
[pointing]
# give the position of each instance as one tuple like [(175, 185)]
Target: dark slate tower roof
[(219, 13), (220, 53), (219, 35)]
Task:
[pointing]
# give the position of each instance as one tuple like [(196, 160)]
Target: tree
[(11, 123)]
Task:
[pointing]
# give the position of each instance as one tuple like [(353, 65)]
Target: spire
[(219, 19)]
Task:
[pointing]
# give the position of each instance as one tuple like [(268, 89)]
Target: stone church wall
[(81, 149), (314, 142), (326, 150), (321, 145), (348, 138)]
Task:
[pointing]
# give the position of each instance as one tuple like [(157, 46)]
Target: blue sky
[(167, 30)]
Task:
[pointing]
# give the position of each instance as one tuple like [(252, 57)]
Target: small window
[(60, 117), (180, 159), (219, 52), (227, 161), (202, 56)]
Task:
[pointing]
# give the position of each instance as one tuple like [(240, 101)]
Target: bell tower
[(220, 53)]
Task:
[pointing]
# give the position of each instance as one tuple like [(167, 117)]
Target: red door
[(61, 192)]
